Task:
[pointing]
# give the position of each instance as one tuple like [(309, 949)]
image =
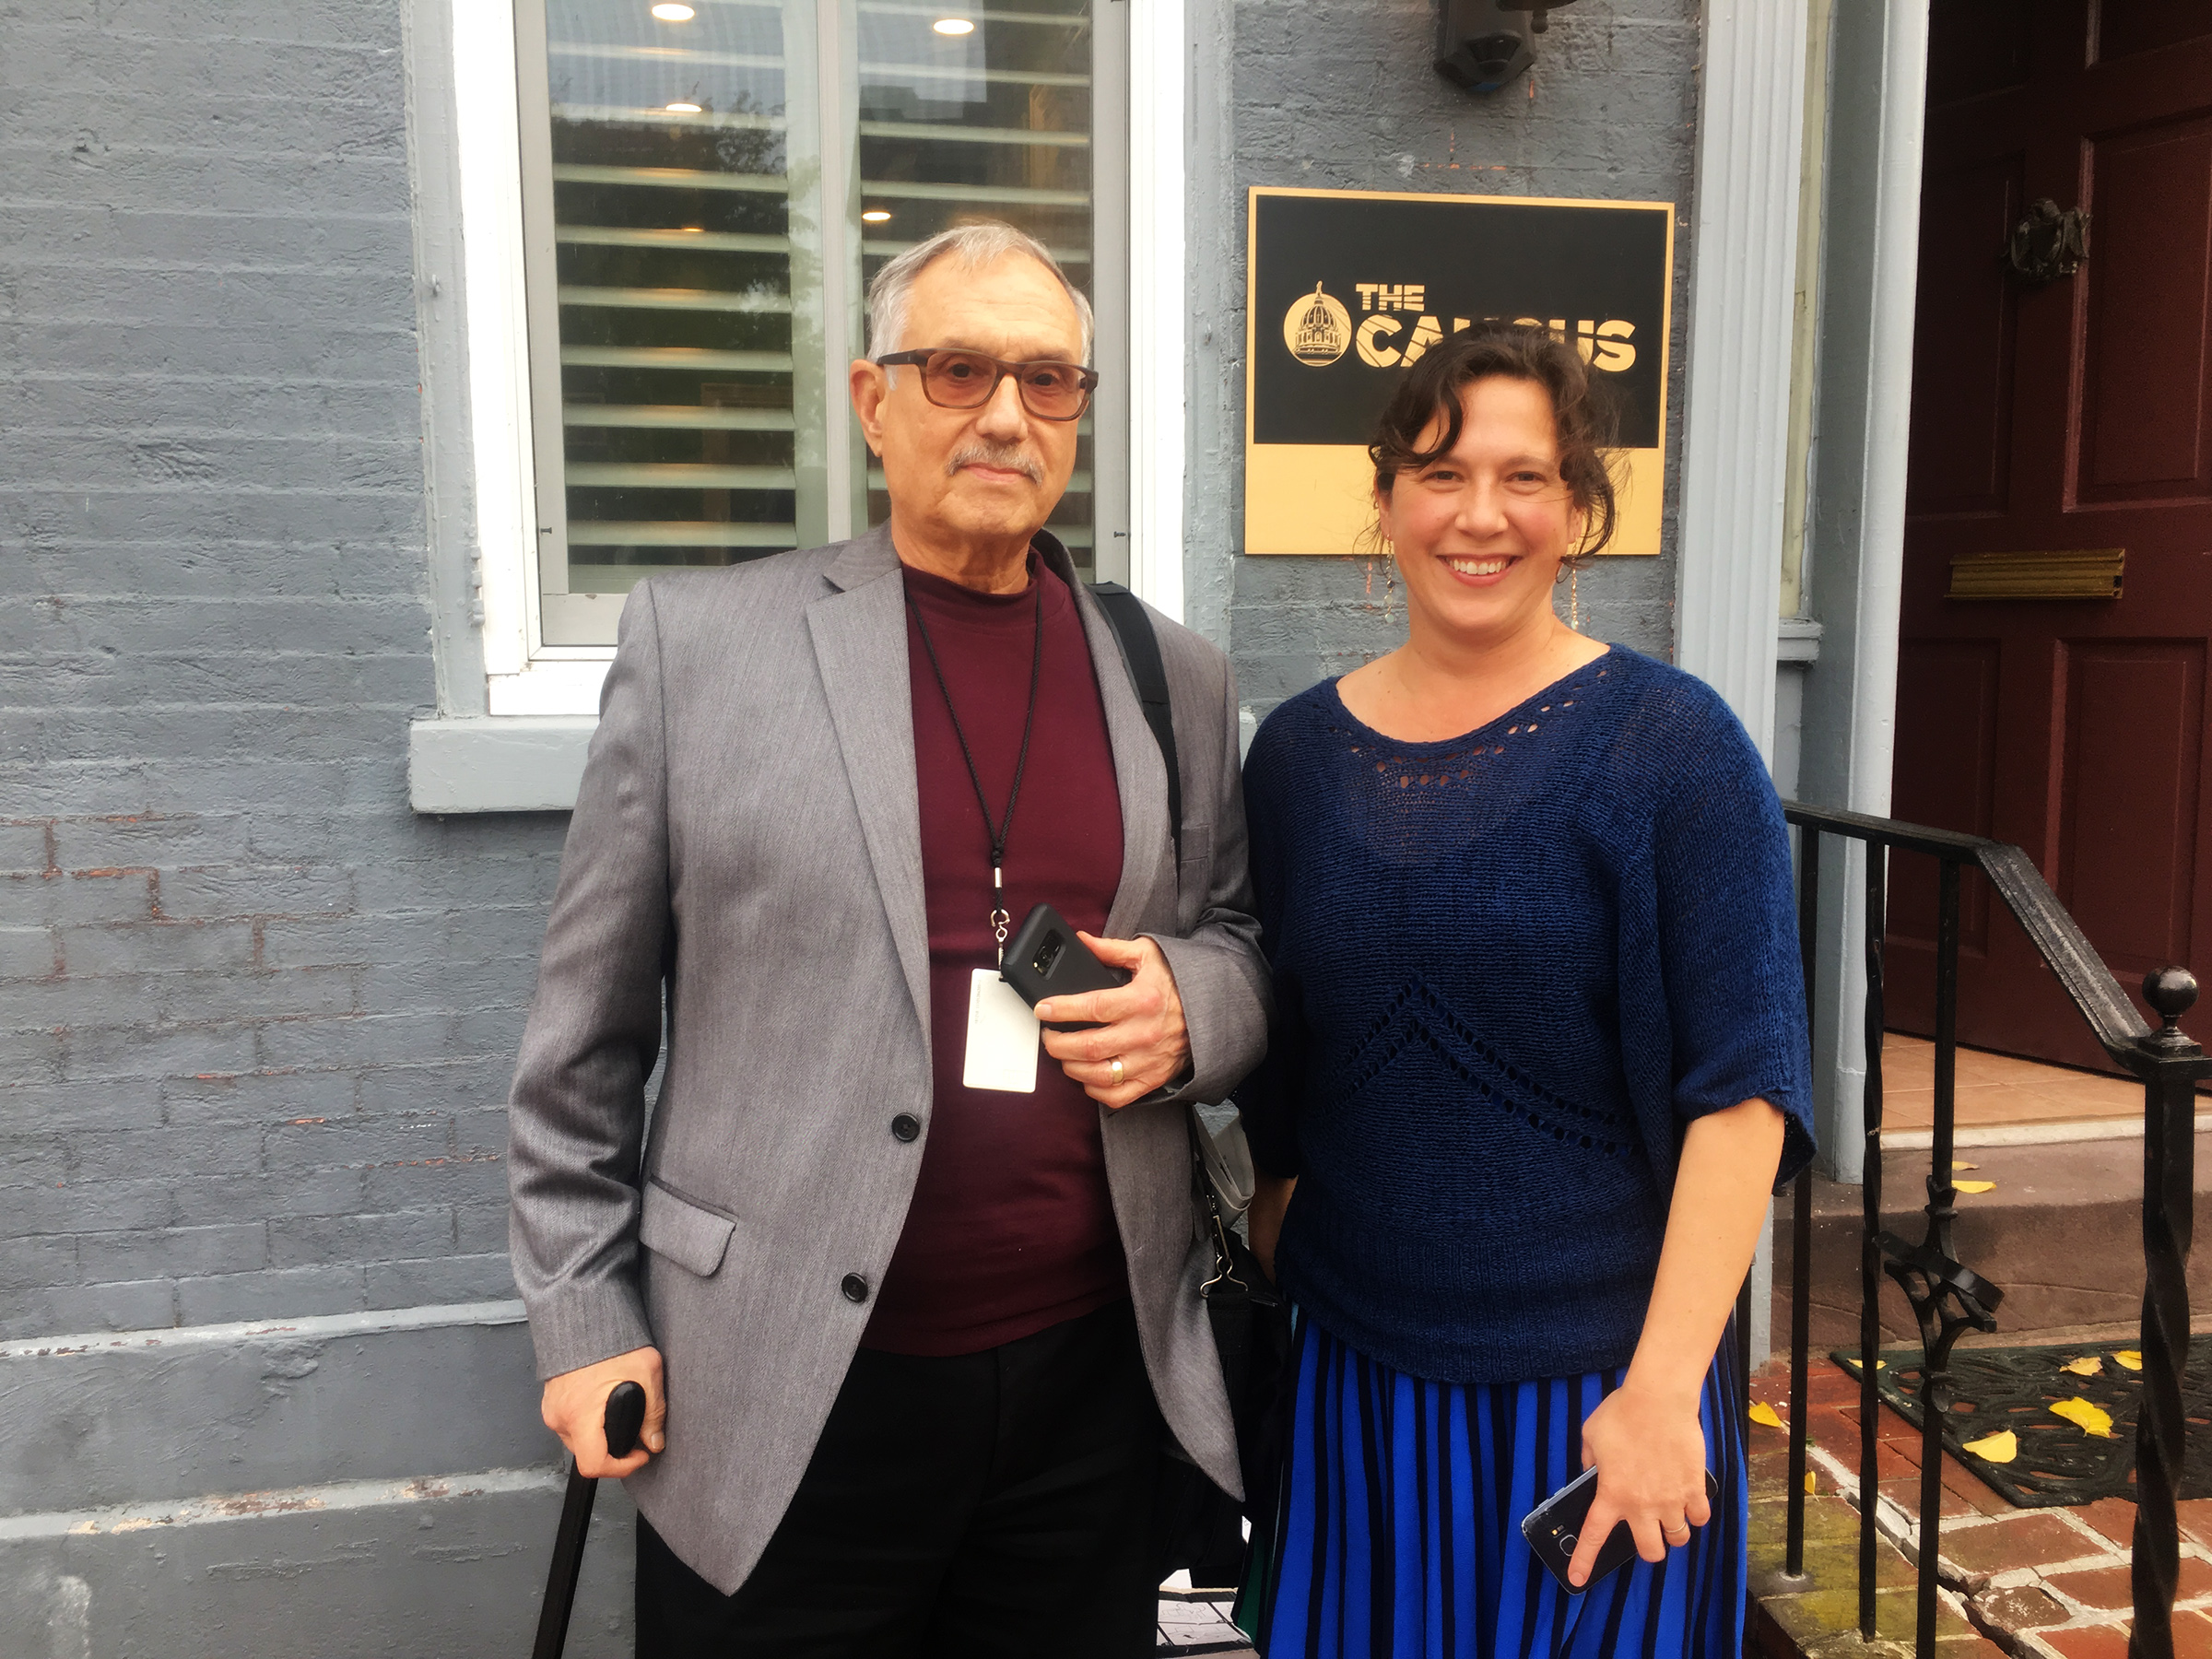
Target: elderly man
[(910, 1303)]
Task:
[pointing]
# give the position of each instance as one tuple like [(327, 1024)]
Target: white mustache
[(1006, 457)]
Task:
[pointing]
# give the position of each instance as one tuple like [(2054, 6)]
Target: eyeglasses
[(968, 380)]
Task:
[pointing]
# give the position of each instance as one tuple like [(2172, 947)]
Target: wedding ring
[(1668, 1533), (1117, 1073)]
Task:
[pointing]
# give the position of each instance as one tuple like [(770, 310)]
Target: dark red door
[(2049, 417)]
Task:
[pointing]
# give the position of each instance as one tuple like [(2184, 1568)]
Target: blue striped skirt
[(1398, 1531)]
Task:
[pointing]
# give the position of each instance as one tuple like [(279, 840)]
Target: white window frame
[(519, 745)]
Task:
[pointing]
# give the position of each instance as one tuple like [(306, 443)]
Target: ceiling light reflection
[(953, 26), (670, 12), (682, 109)]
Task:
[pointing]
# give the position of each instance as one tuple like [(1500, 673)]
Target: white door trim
[(1159, 300)]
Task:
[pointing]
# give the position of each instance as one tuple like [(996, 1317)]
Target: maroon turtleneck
[(1011, 1227)]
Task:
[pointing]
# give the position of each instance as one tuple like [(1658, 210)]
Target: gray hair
[(972, 247)]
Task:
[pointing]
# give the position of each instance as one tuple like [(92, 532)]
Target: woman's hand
[(1139, 1025), (1263, 1221), (1645, 1437), (1650, 1452)]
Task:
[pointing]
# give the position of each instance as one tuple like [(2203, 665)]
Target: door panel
[(1984, 49), (1951, 765), (1962, 339), (2134, 740), (2143, 414), (2125, 26), (2071, 415)]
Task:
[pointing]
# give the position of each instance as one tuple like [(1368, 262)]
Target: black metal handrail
[(1949, 1300)]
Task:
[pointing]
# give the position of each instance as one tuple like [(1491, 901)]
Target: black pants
[(988, 1505)]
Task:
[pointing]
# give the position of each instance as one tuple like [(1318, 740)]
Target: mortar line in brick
[(133, 377), (141, 436), (232, 488)]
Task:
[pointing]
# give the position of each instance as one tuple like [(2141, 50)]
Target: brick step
[(2061, 1233)]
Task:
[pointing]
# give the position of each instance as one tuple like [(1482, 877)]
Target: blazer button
[(855, 1287), (906, 1126)]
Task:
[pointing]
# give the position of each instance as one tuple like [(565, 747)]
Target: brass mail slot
[(2081, 573)]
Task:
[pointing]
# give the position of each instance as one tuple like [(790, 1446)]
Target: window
[(706, 189), (647, 366)]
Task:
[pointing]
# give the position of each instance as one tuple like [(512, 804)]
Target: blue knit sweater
[(1508, 968)]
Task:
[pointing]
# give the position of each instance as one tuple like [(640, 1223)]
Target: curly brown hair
[(1582, 407)]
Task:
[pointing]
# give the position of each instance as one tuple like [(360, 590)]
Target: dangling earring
[(1574, 599)]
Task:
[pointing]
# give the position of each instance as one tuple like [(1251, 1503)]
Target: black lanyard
[(999, 918)]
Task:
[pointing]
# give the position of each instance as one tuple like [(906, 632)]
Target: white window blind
[(707, 187)]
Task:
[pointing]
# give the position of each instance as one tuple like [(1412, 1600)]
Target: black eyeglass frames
[(968, 380)]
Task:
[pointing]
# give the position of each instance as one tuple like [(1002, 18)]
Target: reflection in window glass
[(672, 256), (989, 121), (684, 363)]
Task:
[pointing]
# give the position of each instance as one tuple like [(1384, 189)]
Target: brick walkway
[(2046, 1584)]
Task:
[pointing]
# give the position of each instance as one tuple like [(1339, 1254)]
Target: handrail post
[(2169, 1202), (1870, 1250), (1935, 1349), (1801, 1223)]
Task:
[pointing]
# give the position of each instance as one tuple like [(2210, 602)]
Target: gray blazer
[(747, 835)]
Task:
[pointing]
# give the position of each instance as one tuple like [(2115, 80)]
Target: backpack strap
[(1140, 654)]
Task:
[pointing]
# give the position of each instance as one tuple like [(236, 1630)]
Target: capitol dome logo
[(1317, 328)]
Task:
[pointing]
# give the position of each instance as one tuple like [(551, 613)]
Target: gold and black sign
[(1346, 288)]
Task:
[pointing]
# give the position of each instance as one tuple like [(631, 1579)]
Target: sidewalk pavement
[(1197, 1621)]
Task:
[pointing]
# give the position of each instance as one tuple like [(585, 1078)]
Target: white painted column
[(1735, 433), (1158, 300), (1858, 547)]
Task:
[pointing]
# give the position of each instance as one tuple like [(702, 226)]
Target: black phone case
[(1045, 959), (1554, 1527)]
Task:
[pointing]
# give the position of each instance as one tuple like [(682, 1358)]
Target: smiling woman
[(1538, 1057)]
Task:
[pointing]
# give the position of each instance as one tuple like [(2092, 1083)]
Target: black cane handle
[(625, 1418)]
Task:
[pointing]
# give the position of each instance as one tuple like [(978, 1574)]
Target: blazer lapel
[(859, 648), (1138, 770)]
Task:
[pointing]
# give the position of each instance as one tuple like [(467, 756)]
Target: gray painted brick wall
[(256, 1018), (1338, 94)]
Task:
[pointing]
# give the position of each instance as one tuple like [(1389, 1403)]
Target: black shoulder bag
[(1197, 1523)]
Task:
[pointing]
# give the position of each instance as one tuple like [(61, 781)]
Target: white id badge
[(1002, 1036)]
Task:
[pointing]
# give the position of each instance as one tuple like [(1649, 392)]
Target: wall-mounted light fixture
[(1482, 44)]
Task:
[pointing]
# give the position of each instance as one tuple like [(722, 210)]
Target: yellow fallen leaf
[(2092, 1419), (1956, 1165), (1764, 1413), (2088, 1365), (2129, 1358), (2001, 1447), (1975, 1186), (1809, 1478)]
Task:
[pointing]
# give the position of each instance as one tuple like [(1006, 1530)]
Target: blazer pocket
[(688, 1234)]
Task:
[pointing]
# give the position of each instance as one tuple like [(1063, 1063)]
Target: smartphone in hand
[(1045, 959), (1554, 1527)]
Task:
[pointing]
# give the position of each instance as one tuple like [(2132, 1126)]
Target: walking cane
[(625, 1417)]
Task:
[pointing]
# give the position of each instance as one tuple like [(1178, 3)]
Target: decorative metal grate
[(2058, 1461)]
